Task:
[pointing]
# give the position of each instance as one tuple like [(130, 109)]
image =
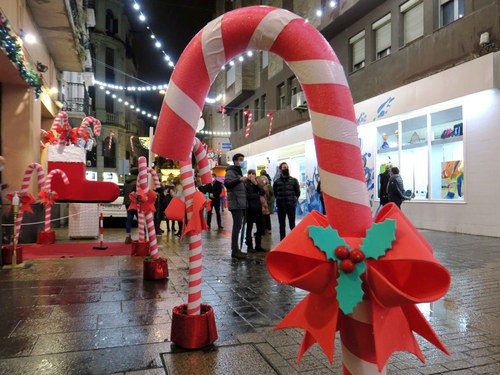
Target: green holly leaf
[(379, 239), (326, 239), (349, 292)]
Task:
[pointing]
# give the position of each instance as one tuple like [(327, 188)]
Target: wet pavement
[(98, 315)]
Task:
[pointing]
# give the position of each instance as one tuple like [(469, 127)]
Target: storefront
[(442, 133)]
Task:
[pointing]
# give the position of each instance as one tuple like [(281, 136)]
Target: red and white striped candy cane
[(48, 183), (270, 117), (24, 188), (61, 122), (132, 144), (195, 245), (223, 112), (325, 86), (96, 125), (156, 179), (111, 135), (249, 122), (143, 184), (140, 222)]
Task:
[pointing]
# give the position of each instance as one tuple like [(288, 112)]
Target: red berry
[(347, 266), (342, 252), (357, 256)]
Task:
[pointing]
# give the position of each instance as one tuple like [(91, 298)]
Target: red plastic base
[(193, 331), (45, 238), (140, 248), (7, 255), (155, 269)]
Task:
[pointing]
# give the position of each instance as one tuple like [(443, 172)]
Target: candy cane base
[(46, 237), (7, 255), (193, 331), (155, 269), (140, 248)]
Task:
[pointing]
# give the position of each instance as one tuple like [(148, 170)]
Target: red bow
[(406, 275), (48, 197), (84, 134), (25, 201), (176, 210), (69, 135), (49, 137), (142, 202)]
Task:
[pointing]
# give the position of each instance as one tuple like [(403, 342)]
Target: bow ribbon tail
[(196, 223)]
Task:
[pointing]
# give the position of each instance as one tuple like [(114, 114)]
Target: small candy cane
[(249, 122), (270, 117), (132, 144), (61, 122), (143, 184), (24, 188), (223, 111), (48, 184), (156, 179), (111, 134), (96, 124)]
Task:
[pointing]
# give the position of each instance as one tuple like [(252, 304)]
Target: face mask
[(285, 172), (243, 164)]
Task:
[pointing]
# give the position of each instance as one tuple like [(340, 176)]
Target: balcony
[(114, 119), (76, 99), (62, 27)]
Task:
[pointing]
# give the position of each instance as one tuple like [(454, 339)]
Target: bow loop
[(25, 201), (48, 197), (143, 202)]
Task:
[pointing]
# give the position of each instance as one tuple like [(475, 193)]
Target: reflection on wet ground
[(98, 316)]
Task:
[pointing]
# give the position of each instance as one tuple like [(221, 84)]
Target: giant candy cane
[(249, 122), (140, 214), (48, 183), (330, 107), (24, 189), (195, 246), (150, 225), (96, 124)]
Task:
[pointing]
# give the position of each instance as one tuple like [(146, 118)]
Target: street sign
[(226, 146)]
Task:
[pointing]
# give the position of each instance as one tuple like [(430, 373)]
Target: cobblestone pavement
[(98, 315)]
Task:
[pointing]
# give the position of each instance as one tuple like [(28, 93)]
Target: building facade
[(424, 76)]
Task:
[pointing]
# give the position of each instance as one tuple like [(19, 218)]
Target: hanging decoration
[(270, 117), (12, 46), (223, 111), (111, 135), (249, 122), (132, 149)]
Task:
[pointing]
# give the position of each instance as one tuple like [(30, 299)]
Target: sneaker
[(128, 240), (238, 255)]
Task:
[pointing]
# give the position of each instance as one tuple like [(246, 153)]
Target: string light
[(130, 105)]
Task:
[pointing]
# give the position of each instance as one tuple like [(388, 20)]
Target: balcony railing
[(76, 98), (114, 118)]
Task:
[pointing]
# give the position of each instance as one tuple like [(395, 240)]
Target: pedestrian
[(383, 180), (167, 197), (130, 186), (158, 215), (255, 192), (223, 201), (395, 188), (287, 192), (321, 199), (214, 190), (268, 208), (237, 201)]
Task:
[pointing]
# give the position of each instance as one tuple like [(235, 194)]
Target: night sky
[(175, 23)]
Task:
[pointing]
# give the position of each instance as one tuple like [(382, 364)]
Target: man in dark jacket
[(254, 212), (214, 189), (383, 180), (129, 187), (236, 201), (287, 192), (395, 188)]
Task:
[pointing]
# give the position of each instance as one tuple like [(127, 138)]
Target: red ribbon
[(49, 137), (48, 197), (406, 275), (176, 210), (25, 201), (142, 202)]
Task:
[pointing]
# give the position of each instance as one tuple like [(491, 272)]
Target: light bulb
[(249, 53), (319, 12), (142, 17), (136, 6), (157, 44), (241, 58)]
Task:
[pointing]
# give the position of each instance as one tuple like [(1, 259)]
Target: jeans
[(216, 208), (130, 220), (283, 212), (238, 215)]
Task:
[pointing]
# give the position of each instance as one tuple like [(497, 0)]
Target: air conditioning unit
[(299, 101)]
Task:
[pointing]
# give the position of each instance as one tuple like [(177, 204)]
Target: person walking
[(130, 186), (287, 192), (223, 196), (268, 207), (395, 188), (383, 181), (214, 190), (237, 201), (254, 212)]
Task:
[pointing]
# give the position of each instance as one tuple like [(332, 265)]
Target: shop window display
[(447, 154), (414, 168), (387, 147)]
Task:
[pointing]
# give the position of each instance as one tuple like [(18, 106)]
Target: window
[(382, 29), (240, 119), (414, 168), (264, 59), (230, 76), (450, 10), (357, 47), (263, 106), (235, 122), (109, 154), (293, 86), (256, 110), (281, 96), (111, 22), (413, 20), (447, 154)]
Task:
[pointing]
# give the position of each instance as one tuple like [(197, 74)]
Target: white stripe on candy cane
[(269, 28), (213, 47), (344, 188), (356, 365), (182, 105), (319, 72), (334, 128)]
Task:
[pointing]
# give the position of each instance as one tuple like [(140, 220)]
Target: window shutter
[(231, 76), (414, 23), (383, 37), (358, 51)]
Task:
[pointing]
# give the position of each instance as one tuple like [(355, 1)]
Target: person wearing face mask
[(287, 192), (236, 201), (214, 190)]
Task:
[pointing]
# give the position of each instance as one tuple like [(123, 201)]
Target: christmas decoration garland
[(12, 45)]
